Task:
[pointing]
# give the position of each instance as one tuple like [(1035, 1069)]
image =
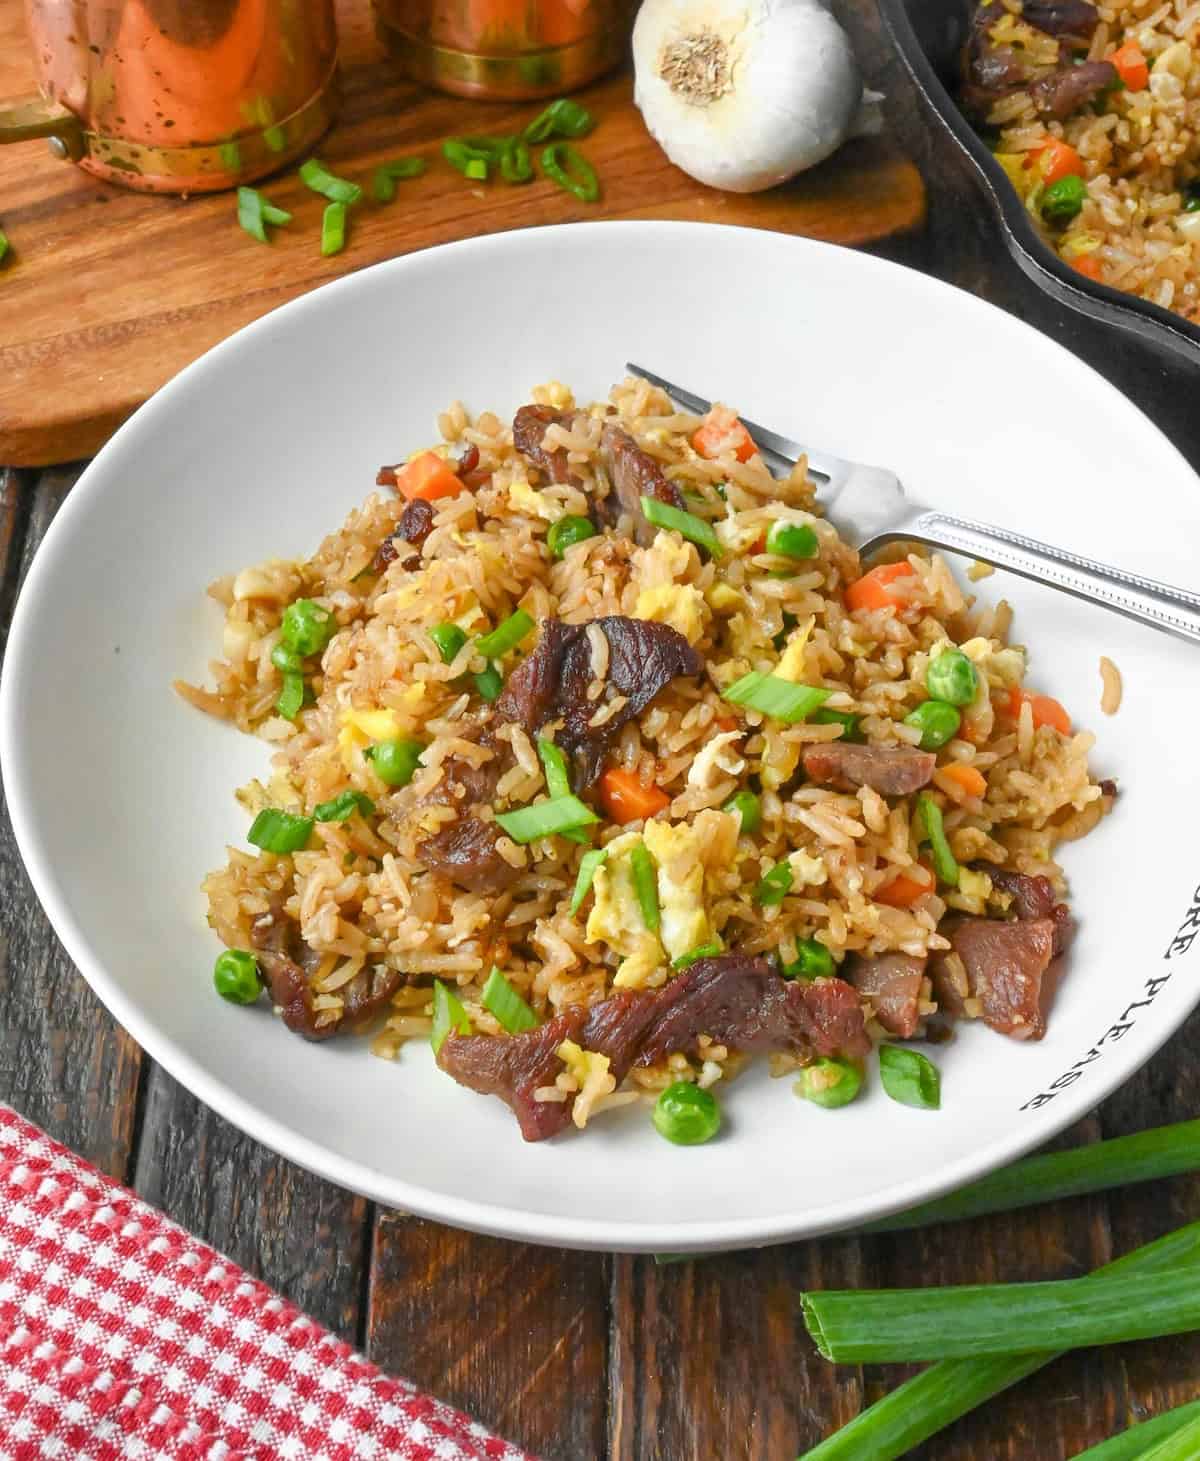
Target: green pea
[(286, 660), (1064, 199), (686, 1115), (792, 540), (307, 628), (489, 683), (813, 961), (1191, 196), (830, 1083), (395, 762), (937, 722), (566, 532), (235, 976), (952, 677), (749, 807)]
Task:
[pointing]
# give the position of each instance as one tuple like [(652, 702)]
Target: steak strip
[(889, 770)]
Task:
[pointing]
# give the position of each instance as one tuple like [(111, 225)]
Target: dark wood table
[(582, 1355)]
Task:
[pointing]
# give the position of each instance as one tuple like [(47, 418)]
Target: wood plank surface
[(85, 336)]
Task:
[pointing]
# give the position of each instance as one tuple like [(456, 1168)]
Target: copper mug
[(178, 96)]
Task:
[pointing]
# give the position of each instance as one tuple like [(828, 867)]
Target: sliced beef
[(990, 71), (738, 1001), (415, 525), (889, 770), (552, 683), (1064, 91), (892, 982), (1004, 962), (287, 964), (529, 429), (1034, 897), (634, 474), (1069, 20), (465, 853)]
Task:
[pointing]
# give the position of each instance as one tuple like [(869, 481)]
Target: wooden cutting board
[(106, 294)]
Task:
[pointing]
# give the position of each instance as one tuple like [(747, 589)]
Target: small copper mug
[(178, 96)]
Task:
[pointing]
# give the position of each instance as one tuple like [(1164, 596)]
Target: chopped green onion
[(908, 1077), (281, 832), (467, 153), (792, 540), (316, 175), (250, 213), (487, 149), (340, 808), (503, 1001), (829, 1083), (937, 722), (286, 660), (307, 628), (449, 639), (489, 683), (774, 886), (236, 977), (333, 229), (477, 170), (448, 1014), (1141, 1442), (277, 217), (571, 171), (776, 696), (705, 951), (545, 819), (4, 245), (938, 1396), (645, 884), (844, 718), (686, 1115), (1183, 1445), (686, 524), (902, 1326), (291, 697), (929, 820), (588, 864), (558, 780), (387, 174), (813, 961), (562, 118), (749, 809), (396, 761), (516, 165), (566, 532), (505, 636)]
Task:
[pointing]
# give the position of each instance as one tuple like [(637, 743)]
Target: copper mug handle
[(34, 116)]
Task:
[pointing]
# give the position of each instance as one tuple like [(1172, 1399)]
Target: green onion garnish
[(908, 1077), (571, 171), (558, 780), (291, 697), (792, 540), (813, 961), (704, 951), (929, 819), (449, 639), (503, 1001), (250, 213), (505, 636), (316, 175), (333, 229), (776, 696), (588, 864), (489, 683), (387, 174), (545, 819), (749, 808), (645, 884), (774, 886), (938, 1396), (343, 806), (1141, 1442), (276, 831), (562, 118), (686, 524), (844, 718), (448, 1014), (566, 532)]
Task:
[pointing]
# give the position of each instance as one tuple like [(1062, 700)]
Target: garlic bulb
[(743, 94)]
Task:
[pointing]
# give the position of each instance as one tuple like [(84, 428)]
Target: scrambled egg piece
[(525, 498), (360, 728), (677, 604), (780, 759), (679, 852), (714, 760), (807, 870), (1002, 665), (616, 917), (724, 599), (591, 1072), (791, 661)]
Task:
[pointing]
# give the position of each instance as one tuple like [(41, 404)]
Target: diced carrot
[(1089, 266), (1132, 67), (721, 431), (726, 723), (1055, 159), (1046, 710), (626, 799), (871, 590), (427, 476), (965, 777), (903, 891)]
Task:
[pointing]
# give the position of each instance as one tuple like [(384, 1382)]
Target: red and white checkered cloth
[(123, 1338)]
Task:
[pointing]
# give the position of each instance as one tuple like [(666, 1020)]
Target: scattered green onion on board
[(388, 174), (567, 167), (562, 118), (502, 1000), (343, 806), (315, 175), (588, 864), (278, 831), (333, 229), (291, 697), (686, 524), (1138, 1443), (448, 639), (235, 976), (4, 245), (489, 683), (704, 951), (516, 165), (545, 819), (774, 886), (775, 696), (645, 885), (250, 214), (448, 1014), (929, 820), (505, 636), (909, 1077)]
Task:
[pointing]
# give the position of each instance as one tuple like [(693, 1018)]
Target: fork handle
[(1173, 610)]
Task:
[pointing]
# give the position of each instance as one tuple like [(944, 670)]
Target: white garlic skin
[(763, 89)]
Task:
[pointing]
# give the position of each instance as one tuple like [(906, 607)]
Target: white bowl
[(122, 796)]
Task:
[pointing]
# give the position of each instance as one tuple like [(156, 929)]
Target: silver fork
[(869, 508)]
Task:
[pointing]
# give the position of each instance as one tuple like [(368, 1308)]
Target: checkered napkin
[(123, 1338)]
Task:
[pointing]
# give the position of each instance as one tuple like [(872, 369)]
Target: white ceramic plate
[(122, 796)]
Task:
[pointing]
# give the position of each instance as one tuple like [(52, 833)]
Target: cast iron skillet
[(929, 35)]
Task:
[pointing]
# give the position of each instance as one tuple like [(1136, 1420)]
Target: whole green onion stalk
[(1137, 1442)]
